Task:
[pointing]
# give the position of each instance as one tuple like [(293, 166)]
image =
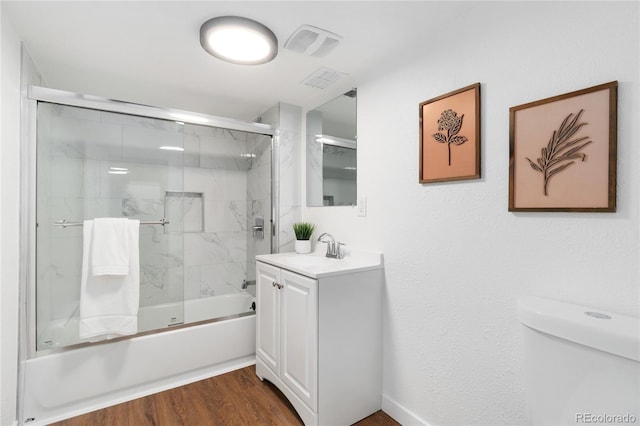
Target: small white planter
[(303, 246)]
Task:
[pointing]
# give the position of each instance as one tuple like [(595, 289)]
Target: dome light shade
[(238, 40)]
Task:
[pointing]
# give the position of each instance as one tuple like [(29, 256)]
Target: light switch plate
[(362, 206)]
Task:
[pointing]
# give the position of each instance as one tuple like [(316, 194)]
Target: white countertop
[(317, 265)]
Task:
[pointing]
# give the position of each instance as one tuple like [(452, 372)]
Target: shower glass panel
[(212, 185), (228, 174), (93, 164)]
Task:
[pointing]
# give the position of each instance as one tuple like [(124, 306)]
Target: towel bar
[(63, 223)]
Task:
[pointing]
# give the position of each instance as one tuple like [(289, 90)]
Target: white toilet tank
[(582, 364)]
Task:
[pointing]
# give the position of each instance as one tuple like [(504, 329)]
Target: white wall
[(456, 260), (9, 211)]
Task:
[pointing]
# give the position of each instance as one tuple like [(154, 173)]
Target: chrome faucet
[(246, 283), (333, 248)]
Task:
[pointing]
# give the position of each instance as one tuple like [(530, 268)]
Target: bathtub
[(62, 383), (195, 310), (64, 332)]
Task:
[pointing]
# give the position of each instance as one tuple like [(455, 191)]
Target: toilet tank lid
[(610, 332)]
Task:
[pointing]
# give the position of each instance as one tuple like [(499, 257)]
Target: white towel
[(109, 303), (110, 246)]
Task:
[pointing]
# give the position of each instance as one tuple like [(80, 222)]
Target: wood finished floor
[(237, 398)]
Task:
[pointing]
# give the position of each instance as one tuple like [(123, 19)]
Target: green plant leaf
[(303, 230)]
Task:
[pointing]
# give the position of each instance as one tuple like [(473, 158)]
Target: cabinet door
[(268, 315), (299, 369)]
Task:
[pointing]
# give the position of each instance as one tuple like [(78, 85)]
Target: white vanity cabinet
[(287, 329), (319, 336)]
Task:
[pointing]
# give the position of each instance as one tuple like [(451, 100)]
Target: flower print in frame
[(450, 136)]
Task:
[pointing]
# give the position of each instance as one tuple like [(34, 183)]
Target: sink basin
[(316, 265), (309, 260)]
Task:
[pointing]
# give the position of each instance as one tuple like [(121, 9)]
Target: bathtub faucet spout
[(246, 283)]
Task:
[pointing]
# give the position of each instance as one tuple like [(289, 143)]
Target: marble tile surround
[(287, 119), (205, 249)]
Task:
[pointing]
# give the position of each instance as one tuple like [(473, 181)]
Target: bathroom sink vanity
[(319, 333)]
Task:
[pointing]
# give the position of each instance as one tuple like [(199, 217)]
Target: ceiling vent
[(312, 41), (323, 77)]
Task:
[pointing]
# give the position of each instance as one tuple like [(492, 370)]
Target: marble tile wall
[(216, 256), (287, 119), (203, 192)]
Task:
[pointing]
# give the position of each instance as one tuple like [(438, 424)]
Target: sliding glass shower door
[(227, 216), (94, 164), (202, 194)]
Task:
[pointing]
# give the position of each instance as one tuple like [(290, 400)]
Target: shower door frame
[(37, 94)]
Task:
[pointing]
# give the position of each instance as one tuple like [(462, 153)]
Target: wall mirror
[(331, 152)]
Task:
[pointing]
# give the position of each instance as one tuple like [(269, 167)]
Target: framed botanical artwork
[(450, 136), (562, 152)]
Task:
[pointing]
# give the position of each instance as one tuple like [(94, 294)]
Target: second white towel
[(109, 303)]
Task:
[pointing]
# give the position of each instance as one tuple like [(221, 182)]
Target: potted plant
[(303, 231)]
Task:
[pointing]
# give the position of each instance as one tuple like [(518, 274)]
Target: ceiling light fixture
[(238, 40)]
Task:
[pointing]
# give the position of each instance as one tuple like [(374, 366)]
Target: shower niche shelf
[(187, 208)]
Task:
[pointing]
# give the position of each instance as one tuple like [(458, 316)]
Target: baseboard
[(400, 413)]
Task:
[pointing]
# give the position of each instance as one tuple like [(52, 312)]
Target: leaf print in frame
[(563, 152)]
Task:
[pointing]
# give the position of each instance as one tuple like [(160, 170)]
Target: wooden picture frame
[(450, 136), (562, 152)]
